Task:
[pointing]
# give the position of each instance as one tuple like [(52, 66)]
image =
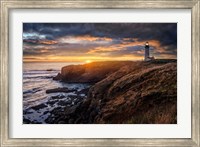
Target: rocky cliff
[(89, 73), (129, 92)]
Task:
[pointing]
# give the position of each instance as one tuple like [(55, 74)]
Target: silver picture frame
[(7, 5)]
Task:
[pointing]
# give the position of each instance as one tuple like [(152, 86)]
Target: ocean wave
[(34, 90), (47, 70), (38, 77), (39, 72)]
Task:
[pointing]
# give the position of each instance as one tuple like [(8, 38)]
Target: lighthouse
[(146, 53)]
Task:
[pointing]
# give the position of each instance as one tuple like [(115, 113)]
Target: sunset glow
[(88, 61), (87, 42)]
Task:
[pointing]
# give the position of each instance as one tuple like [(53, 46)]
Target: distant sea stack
[(128, 92)]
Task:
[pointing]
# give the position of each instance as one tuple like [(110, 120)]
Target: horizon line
[(93, 61)]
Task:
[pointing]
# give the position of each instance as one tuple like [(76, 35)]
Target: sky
[(87, 42)]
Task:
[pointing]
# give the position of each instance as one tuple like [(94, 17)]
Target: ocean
[(37, 78)]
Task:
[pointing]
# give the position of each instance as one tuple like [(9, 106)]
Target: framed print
[(97, 73)]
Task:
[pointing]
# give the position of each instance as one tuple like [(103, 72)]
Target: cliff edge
[(89, 73), (129, 92)]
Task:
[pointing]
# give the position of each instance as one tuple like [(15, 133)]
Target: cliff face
[(88, 73), (138, 92)]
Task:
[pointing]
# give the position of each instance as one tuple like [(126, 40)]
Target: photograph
[(99, 73)]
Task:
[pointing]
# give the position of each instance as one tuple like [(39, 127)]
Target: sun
[(88, 61)]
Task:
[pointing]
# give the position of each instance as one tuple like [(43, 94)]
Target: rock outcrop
[(59, 89), (138, 92), (89, 73)]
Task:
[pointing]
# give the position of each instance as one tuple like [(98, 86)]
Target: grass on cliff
[(155, 116), (143, 96)]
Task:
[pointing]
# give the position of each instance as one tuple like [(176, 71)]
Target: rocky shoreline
[(56, 115), (129, 92), (61, 99), (136, 92)]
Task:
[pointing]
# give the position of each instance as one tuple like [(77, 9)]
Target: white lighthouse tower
[(146, 54)]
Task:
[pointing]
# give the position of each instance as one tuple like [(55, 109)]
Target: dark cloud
[(136, 50), (39, 42), (64, 49), (47, 36), (166, 33)]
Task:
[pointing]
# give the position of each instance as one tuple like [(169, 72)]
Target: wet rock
[(48, 77), (71, 110), (49, 69), (36, 122), (78, 120), (56, 111), (34, 90), (71, 121), (64, 103), (26, 121), (27, 112), (61, 122), (75, 97), (56, 90), (58, 77), (51, 103), (83, 91), (57, 97), (39, 106), (45, 112)]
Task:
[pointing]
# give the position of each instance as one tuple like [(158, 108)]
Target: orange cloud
[(48, 42), (85, 38), (92, 38)]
